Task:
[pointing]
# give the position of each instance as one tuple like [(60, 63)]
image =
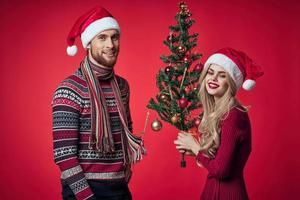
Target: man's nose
[(109, 43)]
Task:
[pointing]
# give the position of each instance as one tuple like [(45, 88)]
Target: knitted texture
[(72, 128), (225, 179)]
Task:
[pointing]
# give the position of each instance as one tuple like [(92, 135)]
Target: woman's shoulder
[(237, 115)]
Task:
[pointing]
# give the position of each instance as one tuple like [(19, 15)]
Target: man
[(93, 144)]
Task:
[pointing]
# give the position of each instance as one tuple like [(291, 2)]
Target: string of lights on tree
[(178, 80)]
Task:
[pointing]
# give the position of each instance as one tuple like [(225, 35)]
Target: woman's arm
[(230, 132)]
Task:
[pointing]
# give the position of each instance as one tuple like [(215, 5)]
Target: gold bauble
[(156, 125), (175, 119), (181, 49), (164, 98)]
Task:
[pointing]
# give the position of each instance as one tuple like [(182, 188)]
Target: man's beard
[(102, 61)]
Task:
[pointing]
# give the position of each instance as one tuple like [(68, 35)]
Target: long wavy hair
[(214, 113)]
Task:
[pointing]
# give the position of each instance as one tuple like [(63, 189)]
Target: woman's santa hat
[(239, 66), (88, 26)]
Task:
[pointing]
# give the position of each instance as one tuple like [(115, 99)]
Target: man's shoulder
[(76, 79), (122, 81), (74, 83)]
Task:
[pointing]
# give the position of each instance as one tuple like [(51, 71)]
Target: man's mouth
[(110, 53)]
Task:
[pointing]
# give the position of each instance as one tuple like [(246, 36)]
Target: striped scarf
[(101, 135)]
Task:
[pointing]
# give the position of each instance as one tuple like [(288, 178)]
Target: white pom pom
[(249, 84), (71, 51)]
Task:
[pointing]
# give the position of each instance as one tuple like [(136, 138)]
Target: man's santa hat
[(239, 66), (88, 26)]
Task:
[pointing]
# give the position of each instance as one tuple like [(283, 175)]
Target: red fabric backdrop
[(33, 61)]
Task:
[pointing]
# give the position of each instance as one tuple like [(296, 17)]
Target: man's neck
[(92, 59)]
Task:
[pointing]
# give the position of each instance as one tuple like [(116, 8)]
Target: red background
[(33, 61)]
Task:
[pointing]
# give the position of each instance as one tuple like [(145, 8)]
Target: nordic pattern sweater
[(71, 131)]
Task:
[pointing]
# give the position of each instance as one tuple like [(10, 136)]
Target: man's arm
[(66, 107)]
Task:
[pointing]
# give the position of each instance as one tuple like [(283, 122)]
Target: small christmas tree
[(177, 82)]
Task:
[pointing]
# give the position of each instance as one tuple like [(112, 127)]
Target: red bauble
[(186, 59), (187, 89), (198, 67), (197, 122), (183, 103), (168, 70)]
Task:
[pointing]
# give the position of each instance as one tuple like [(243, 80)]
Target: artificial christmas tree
[(178, 81)]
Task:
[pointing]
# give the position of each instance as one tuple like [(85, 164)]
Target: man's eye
[(210, 73), (101, 37), (115, 38)]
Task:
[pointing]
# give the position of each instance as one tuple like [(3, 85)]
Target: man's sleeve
[(66, 107)]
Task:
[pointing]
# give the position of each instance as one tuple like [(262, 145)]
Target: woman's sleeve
[(220, 165)]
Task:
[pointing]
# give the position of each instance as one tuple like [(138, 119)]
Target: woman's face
[(216, 81)]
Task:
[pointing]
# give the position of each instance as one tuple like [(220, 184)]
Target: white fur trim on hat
[(249, 84), (228, 65), (72, 50), (97, 27)]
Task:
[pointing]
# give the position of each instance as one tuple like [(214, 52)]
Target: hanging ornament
[(156, 125), (197, 122), (183, 103), (181, 49), (175, 118), (186, 59), (198, 67), (164, 98), (187, 89), (168, 70), (170, 37)]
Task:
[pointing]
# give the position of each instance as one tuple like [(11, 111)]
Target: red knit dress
[(225, 179)]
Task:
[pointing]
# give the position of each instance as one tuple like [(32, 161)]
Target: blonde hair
[(214, 113)]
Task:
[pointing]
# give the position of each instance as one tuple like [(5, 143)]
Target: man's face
[(104, 47)]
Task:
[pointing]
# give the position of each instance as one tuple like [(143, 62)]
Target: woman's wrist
[(195, 149)]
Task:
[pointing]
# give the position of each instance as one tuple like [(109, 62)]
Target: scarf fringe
[(101, 135)]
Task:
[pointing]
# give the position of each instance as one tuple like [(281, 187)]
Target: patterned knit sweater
[(225, 179), (72, 129)]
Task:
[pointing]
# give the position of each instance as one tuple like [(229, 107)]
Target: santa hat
[(239, 66), (88, 26)]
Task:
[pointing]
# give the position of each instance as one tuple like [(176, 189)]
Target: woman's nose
[(215, 77)]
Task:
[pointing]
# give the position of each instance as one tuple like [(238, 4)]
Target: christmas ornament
[(186, 59), (164, 98), (198, 67), (156, 125), (187, 89), (168, 70), (169, 38), (183, 103), (197, 122), (181, 49), (175, 118), (182, 6)]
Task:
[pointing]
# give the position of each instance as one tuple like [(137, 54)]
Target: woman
[(225, 131)]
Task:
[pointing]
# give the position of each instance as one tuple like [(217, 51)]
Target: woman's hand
[(187, 152), (185, 141)]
